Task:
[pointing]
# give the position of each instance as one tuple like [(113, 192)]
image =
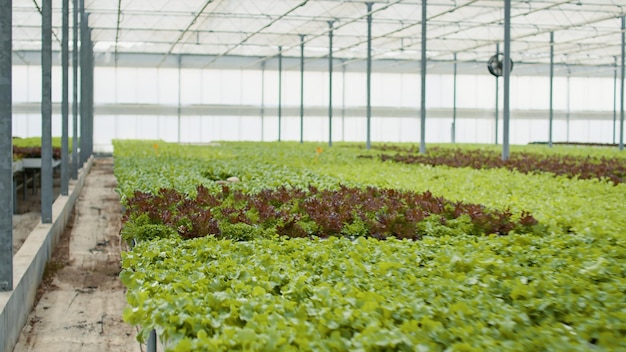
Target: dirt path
[(81, 299)]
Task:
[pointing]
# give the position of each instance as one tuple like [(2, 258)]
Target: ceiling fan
[(496, 64)]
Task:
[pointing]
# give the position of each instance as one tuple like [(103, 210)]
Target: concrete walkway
[(81, 300)]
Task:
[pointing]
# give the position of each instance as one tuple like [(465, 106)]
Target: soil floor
[(80, 302)]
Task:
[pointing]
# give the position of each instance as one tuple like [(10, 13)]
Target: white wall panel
[(105, 90), (34, 84), (167, 86), (191, 86), (159, 86), (147, 86)]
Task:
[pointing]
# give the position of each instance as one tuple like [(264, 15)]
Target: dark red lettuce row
[(346, 211), (35, 152), (613, 169)]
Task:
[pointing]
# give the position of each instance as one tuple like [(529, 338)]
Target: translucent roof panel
[(587, 33)]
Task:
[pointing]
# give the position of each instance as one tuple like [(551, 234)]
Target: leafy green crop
[(518, 292), (561, 288)]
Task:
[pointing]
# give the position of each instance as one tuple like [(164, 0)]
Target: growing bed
[(348, 249)]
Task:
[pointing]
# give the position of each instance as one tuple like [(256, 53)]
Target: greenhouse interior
[(194, 148)]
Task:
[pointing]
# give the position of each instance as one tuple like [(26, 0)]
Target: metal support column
[(280, 89), (301, 88), (567, 114), (152, 342), (262, 101), (90, 89), (180, 88), (46, 112), (84, 25), (614, 98), (343, 103), (330, 83), (497, 97), (368, 142), (551, 89), (75, 156), (65, 177), (423, 86), (621, 92), (454, 102), (507, 78), (6, 149)]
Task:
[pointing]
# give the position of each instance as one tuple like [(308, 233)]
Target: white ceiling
[(245, 33)]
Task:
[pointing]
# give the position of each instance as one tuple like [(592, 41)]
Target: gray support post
[(551, 88), (75, 156), (330, 83), (343, 103), (6, 149), (454, 103), (368, 142), (65, 177), (497, 97), (614, 98), (423, 86), (507, 78), (46, 112), (84, 25), (151, 346), (90, 86), (301, 88), (568, 109), (88, 118), (262, 101), (180, 88), (280, 89), (621, 119)]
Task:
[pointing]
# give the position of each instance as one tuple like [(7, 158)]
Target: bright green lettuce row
[(36, 142), (512, 293), (150, 166)]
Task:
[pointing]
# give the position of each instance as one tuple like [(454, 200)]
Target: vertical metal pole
[(46, 111), (178, 108), (6, 149), (330, 84), (280, 89), (75, 157), (90, 86), (454, 103), (65, 177), (84, 23), (507, 78), (423, 86), (368, 142), (151, 347), (551, 88), (343, 103), (614, 98), (262, 101), (568, 111), (497, 97), (621, 126), (88, 117), (301, 88)]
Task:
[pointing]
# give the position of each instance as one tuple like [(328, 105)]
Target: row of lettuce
[(31, 147), (275, 246)]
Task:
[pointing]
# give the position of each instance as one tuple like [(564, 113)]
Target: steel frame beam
[(46, 112), (6, 148)]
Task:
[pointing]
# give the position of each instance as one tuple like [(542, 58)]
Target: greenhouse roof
[(248, 33)]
